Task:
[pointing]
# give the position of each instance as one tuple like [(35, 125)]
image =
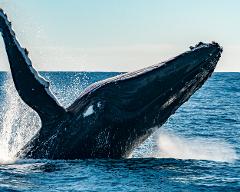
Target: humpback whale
[(111, 117)]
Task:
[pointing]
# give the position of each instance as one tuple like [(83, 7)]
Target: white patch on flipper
[(99, 104), (89, 111)]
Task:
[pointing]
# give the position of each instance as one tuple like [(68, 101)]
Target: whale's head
[(118, 114)]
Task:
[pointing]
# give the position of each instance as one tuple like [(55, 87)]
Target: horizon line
[(71, 71)]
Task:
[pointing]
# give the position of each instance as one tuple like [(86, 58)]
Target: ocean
[(196, 150)]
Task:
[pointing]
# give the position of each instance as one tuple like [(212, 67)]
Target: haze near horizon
[(78, 35)]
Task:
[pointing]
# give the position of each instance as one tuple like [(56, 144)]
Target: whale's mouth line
[(188, 84)]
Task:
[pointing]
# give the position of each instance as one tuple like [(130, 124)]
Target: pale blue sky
[(121, 35)]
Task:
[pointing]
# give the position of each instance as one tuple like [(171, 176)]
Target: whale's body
[(111, 117)]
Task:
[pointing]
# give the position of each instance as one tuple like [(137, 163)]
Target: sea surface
[(196, 150)]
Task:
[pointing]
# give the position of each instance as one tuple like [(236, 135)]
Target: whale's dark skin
[(111, 117)]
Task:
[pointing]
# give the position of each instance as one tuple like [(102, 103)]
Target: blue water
[(196, 150)]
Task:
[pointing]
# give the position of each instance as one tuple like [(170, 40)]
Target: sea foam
[(171, 145), (19, 123)]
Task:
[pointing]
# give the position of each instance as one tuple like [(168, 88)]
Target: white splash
[(11, 108), (18, 123), (89, 111), (170, 145)]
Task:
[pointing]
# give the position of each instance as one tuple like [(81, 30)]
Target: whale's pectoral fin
[(32, 88)]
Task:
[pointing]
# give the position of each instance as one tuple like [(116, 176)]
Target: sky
[(120, 35)]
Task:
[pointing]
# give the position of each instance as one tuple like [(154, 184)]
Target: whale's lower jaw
[(116, 115), (111, 117)]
